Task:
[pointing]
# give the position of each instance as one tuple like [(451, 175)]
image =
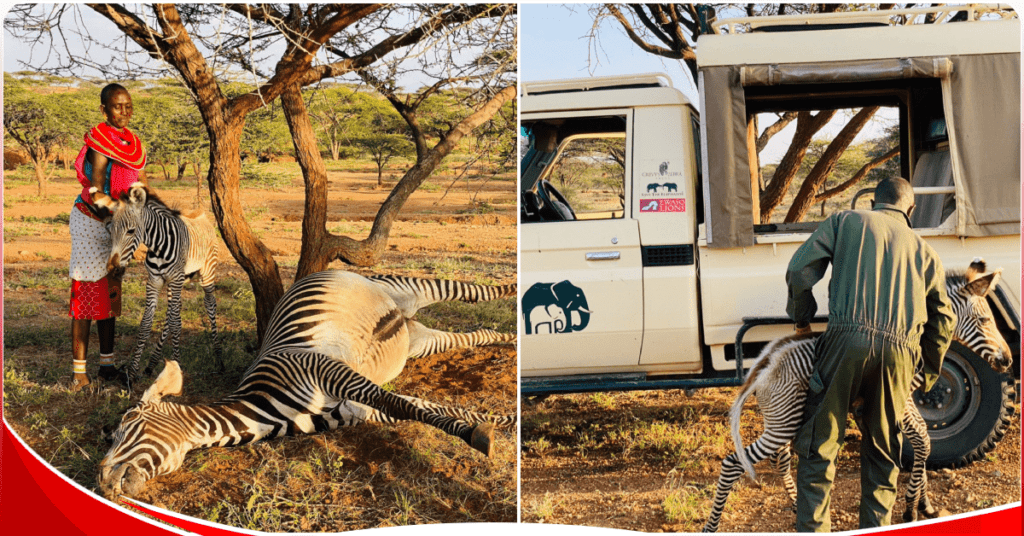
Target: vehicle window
[(804, 179), (812, 162), (573, 169), (590, 172)]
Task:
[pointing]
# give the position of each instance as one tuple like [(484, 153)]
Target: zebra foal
[(332, 340), (780, 375), (178, 247)]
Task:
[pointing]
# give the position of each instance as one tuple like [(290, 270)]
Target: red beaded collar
[(125, 147)]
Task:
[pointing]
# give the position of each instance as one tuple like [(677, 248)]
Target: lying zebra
[(333, 339), (178, 247), (779, 379)]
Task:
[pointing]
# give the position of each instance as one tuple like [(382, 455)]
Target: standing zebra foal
[(332, 340), (780, 375), (178, 247)]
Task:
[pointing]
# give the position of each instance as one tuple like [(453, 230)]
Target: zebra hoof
[(483, 438)]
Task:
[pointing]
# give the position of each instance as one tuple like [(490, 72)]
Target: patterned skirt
[(93, 295)]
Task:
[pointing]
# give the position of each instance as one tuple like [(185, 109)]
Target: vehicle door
[(581, 272)]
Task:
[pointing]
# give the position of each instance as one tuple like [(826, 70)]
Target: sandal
[(77, 385)]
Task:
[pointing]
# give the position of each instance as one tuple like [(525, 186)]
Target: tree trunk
[(335, 148), (199, 185), (181, 171), (315, 254), (807, 126), (254, 257), (40, 170), (821, 170)]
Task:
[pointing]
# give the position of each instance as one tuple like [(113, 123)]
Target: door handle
[(603, 256)]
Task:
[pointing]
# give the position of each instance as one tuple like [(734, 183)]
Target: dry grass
[(603, 460)]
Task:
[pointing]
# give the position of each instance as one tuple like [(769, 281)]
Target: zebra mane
[(956, 279), (151, 197)]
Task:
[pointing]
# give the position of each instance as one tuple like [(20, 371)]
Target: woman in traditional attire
[(109, 163)]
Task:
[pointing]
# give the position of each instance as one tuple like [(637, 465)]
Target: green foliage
[(168, 121), (256, 175), (43, 121), (62, 219)]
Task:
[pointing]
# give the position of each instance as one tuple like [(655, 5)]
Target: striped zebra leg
[(782, 461), (413, 293), (916, 431), (424, 341), (503, 422), (342, 382), (732, 470), (158, 349), (210, 303), (153, 286), (351, 413), (172, 325)]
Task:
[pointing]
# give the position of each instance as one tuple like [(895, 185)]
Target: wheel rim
[(954, 399)]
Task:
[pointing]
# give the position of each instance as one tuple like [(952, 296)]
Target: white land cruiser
[(646, 261)]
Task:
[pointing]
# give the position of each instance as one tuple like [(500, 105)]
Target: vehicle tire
[(967, 411)]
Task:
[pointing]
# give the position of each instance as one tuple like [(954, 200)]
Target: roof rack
[(597, 83), (892, 17)]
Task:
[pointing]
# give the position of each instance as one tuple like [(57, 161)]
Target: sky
[(554, 46)]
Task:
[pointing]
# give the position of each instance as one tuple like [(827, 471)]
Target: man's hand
[(802, 329)]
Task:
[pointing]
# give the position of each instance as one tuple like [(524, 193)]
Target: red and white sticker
[(663, 205)]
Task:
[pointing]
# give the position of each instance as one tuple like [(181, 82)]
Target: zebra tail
[(734, 420)]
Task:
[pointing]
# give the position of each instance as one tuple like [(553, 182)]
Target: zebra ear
[(137, 194), (981, 285), (976, 269), (168, 383)]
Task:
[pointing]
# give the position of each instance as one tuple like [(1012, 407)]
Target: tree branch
[(860, 174)]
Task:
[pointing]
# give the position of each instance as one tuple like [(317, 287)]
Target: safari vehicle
[(655, 268)]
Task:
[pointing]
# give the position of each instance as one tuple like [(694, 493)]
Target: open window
[(844, 140), (574, 169), (957, 136)]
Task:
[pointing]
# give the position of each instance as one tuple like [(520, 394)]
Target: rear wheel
[(967, 410)]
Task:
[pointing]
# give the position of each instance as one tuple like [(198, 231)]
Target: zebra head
[(125, 227), (975, 325), (150, 441)]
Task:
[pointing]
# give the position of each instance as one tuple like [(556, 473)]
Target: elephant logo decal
[(653, 187), (671, 187), (663, 168), (550, 307)]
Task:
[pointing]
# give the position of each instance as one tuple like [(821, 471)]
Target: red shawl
[(125, 147)]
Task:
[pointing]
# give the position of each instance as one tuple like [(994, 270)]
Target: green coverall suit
[(888, 309)]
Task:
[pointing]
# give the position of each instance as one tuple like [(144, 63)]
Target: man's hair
[(896, 191), (108, 91)]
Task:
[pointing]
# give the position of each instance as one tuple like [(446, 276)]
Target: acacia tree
[(167, 120), (334, 110), (42, 124), (198, 42)]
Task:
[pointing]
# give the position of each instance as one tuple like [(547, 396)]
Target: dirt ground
[(369, 476), (602, 460), (426, 224)]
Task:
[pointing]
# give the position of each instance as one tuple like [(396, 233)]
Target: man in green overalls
[(888, 316)]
